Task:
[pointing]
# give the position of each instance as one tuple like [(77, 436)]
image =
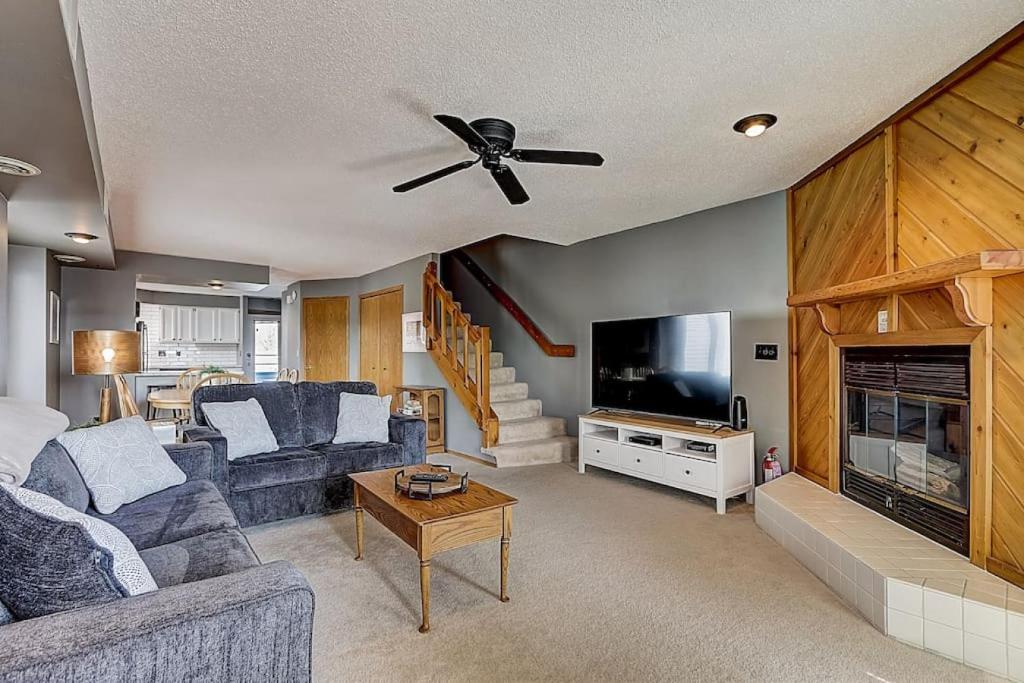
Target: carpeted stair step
[(503, 375), (517, 410), (540, 452), (530, 429), (513, 391), (497, 359)]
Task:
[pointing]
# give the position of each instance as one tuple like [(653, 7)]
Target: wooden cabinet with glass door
[(432, 400)]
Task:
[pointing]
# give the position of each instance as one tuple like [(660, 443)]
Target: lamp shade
[(105, 352)]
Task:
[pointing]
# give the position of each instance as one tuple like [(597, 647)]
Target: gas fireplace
[(906, 437)]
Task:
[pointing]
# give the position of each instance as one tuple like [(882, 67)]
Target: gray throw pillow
[(362, 418), (53, 558), (244, 425), (121, 462)]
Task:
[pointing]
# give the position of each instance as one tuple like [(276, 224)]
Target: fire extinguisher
[(770, 466)]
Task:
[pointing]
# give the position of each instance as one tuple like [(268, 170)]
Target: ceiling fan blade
[(436, 175), (463, 130), (509, 184), (554, 156)]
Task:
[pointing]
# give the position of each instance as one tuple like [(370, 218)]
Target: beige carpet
[(611, 579)]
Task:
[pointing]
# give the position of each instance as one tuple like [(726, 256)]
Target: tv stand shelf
[(725, 472)]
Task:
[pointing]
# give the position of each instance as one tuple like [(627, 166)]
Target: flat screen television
[(677, 365)]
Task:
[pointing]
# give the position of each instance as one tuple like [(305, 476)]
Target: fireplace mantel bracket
[(966, 279)]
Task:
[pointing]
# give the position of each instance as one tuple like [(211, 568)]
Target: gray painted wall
[(462, 433), (105, 300), (178, 299), (32, 275), (3, 296), (728, 258)]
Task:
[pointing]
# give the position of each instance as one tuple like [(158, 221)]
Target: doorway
[(266, 353), (325, 338), (380, 338)]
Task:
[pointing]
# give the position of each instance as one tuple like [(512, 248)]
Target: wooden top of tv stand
[(663, 423)]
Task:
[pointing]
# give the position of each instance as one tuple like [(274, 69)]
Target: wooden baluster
[(440, 328), (465, 352), (483, 360), (427, 305)]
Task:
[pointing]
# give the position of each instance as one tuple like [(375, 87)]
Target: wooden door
[(325, 338), (380, 339)]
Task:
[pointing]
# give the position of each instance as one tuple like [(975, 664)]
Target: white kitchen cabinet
[(168, 323), (186, 324), (228, 331), (206, 325)]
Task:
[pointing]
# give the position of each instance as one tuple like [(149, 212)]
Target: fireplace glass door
[(930, 452)]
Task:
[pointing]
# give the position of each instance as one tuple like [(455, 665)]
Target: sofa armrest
[(216, 440), (255, 624), (195, 458), (411, 433)]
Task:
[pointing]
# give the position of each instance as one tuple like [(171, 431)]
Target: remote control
[(428, 477)]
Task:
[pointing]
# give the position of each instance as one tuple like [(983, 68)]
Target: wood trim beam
[(966, 69), (972, 300)]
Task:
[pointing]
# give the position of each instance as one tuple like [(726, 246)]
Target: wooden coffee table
[(434, 526)]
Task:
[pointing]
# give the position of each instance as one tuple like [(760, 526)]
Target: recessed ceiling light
[(80, 237), (68, 258), (17, 167), (752, 126), (215, 284)]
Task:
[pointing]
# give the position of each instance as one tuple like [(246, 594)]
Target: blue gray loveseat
[(218, 614), (307, 474)]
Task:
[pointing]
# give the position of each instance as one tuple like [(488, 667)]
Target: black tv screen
[(678, 365)]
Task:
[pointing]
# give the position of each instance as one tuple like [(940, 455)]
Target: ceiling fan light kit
[(492, 141)]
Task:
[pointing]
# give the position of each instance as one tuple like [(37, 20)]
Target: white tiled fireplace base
[(907, 586)]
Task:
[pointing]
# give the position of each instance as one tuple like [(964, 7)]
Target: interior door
[(380, 339), (325, 338)]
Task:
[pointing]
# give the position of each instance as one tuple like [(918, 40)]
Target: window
[(266, 352)]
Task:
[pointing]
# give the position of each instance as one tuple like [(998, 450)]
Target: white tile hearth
[(906, 585)]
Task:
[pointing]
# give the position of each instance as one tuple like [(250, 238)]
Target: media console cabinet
[(675, 460)]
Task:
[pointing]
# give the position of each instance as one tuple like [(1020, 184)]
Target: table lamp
[(107, 353)]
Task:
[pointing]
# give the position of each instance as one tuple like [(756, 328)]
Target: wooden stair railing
[(462, 351), (509, 304)]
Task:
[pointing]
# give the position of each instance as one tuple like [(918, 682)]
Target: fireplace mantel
[(966, 279)]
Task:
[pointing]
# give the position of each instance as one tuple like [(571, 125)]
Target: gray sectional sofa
[(307, 474), (219, 614)]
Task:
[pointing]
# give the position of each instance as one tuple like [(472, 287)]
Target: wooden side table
[(432, 400)]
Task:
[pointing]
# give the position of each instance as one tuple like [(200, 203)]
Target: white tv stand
[(727, 472)]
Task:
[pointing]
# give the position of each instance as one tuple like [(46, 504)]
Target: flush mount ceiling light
[(754, 125), (68, 258), (215, 284), (17, 167), (80, 237)]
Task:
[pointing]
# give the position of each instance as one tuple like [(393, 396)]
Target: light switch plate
[(883, 321)]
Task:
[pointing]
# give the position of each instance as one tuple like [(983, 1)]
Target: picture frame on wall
[(414, 335), (54, 319)]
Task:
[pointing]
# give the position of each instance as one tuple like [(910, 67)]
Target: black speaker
[(739, 412)]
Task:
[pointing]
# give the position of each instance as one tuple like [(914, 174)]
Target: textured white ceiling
[(272, 132)]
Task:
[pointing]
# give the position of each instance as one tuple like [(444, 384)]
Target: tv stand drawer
[(599, 450), (643, 460), (691, 471)]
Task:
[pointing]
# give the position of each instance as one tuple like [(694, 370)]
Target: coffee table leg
[(425, 594), (359, 526), (506, 537)]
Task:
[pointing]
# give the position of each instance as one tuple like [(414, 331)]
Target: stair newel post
[(428, 303)]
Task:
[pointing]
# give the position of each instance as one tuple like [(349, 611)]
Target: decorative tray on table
[(425, 484)]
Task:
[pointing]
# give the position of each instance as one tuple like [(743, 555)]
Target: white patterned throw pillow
[(129, 569), (362, 418), (121, 461), (244, 425)]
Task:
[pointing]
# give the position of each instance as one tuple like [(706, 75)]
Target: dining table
[(177, 400)]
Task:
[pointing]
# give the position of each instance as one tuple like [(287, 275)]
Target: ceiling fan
[(491, 140)]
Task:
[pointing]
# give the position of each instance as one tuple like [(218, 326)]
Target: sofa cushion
[(53, 558), (345, 458), (5, 615), (121, 462), (54, 474), (285, 466), (25, 427), (192, 509), (318, 407), (278, 400), (201, 557)]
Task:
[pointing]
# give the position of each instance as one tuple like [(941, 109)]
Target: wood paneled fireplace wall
[(918, 229)]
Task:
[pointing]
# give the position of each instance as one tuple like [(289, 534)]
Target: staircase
[(525, 435), (513, 429)]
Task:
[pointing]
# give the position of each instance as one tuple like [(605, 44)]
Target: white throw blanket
[(25, 427)]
